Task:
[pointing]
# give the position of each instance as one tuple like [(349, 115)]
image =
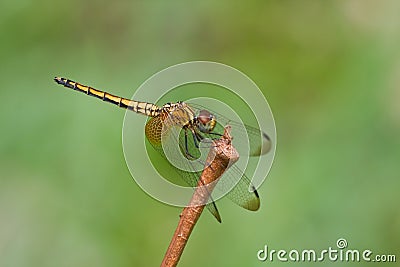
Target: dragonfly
[(196, 126)]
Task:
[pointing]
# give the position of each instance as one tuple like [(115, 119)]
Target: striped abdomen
[(147, 109)]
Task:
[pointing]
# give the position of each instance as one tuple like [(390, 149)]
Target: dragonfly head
[(206, 121)]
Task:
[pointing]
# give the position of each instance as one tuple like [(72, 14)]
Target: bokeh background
[(329, 69)]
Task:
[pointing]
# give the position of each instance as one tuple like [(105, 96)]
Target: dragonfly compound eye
[(206, 121)]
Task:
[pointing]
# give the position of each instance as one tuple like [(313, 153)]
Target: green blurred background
[(329, 69)]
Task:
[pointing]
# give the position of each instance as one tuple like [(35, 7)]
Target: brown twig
[(221, 155)]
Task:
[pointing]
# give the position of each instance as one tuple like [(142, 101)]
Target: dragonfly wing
[(260, 143), (242, 192)]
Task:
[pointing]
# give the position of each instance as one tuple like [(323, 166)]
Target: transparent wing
[(243, 193)]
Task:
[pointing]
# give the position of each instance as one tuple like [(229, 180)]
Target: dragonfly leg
[(195, 139), (187, 154), (217, 134)]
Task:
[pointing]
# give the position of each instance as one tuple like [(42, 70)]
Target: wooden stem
[(222, 155)]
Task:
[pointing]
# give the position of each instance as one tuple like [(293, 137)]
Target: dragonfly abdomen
[(144, 108)]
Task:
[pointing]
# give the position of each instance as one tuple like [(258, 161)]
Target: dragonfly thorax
[(178, 114)]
